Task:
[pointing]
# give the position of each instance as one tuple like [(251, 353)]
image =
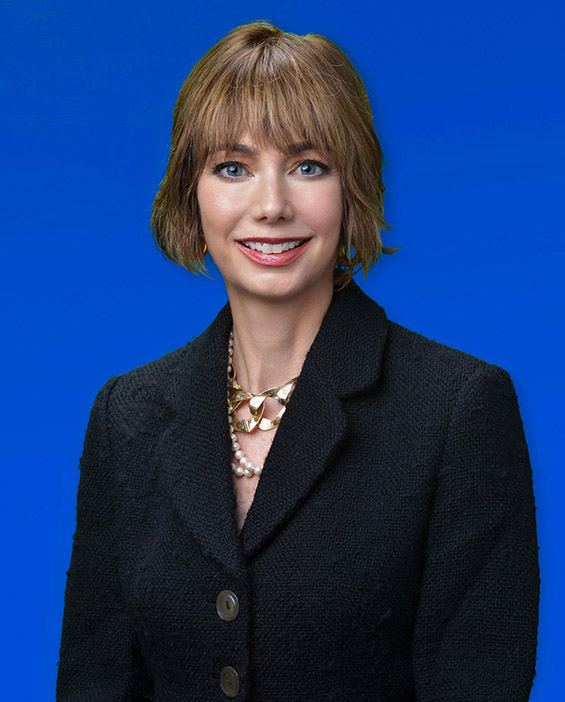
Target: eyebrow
[(297, 148)]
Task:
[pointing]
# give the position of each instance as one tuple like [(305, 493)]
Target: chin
[(278, 288)]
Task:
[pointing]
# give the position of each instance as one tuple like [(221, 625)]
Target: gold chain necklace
[(237, 395)]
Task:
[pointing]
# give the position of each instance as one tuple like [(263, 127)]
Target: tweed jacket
[(390, 553)]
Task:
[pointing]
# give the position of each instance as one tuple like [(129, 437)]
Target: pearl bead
[(246, 467)]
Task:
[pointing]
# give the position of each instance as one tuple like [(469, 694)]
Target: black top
[(390, 552)]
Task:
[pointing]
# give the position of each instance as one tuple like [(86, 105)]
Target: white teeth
[(272, 248)]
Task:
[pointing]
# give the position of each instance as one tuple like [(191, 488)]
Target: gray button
[(227, 605), (229, 681)]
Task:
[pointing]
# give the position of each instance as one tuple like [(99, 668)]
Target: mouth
[(272, 251), (273, 246)]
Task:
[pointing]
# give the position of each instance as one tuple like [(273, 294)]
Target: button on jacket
[(390, 552)]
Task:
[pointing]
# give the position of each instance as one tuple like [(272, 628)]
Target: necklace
[(236, 395)]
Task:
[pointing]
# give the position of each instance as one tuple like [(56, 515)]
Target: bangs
[(275, 102)]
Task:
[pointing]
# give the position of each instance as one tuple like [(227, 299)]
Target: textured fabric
[(390, 553)]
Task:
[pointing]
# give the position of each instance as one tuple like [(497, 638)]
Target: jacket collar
[(344, 359)]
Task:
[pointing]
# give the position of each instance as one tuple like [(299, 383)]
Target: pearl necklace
[(246, 467)]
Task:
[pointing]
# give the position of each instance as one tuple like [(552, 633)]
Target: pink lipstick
[(283, 258)]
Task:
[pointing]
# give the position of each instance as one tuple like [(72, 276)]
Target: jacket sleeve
[(475, 632), (99, 660)]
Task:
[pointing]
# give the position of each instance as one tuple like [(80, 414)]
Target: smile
[(275, 252), (272, 248)]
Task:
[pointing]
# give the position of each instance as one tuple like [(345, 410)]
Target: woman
[(374, 538)]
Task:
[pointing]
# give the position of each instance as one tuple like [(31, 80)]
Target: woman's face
[(271, 220)]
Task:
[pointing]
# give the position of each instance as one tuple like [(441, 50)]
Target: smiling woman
[(308, 501)]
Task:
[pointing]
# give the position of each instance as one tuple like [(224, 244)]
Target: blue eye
[(313, 165), (308, 166), (233, 169), (230, 170)]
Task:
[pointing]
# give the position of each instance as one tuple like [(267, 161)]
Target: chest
[(333, 591)]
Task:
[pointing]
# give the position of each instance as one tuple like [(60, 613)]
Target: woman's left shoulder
[(470, 402), (436, 367), (408, 357)]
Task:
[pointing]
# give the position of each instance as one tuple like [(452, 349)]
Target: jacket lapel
[(309, 434), (195, 447), (344, 359)]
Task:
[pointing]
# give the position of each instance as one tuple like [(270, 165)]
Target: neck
[(272, 337)]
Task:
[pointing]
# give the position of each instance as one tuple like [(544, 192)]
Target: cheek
[(329, 212), (218, 206)]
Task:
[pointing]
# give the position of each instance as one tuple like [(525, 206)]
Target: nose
[(271, 197)]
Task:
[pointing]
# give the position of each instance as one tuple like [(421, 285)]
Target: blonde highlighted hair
[(275, 85)]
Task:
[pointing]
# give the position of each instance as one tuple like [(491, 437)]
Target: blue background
[(468, 102)]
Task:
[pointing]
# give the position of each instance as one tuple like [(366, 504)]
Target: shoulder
[(149, 379), (412, 351), (429, 374), (361, 349), (362, 327), (138, 401), (133, 400), (434, 390)]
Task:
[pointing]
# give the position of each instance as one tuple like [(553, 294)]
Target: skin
[(277, 310)]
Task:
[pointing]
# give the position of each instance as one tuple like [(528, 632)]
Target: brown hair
[(276, 85)]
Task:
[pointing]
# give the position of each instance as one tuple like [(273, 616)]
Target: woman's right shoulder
[(133, 400)]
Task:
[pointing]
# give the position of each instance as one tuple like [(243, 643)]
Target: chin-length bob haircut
[(277, 86)]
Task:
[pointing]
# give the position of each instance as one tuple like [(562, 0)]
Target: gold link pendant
[(257, 404)]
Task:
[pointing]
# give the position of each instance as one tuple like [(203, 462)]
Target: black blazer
[(390, 552)]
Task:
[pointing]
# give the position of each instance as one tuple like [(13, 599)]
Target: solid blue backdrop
[(468, 103)]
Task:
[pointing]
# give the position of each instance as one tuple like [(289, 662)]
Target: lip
[(281, 259)]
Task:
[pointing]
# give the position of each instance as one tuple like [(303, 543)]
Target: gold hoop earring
[(204, 244), (342, 257)]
